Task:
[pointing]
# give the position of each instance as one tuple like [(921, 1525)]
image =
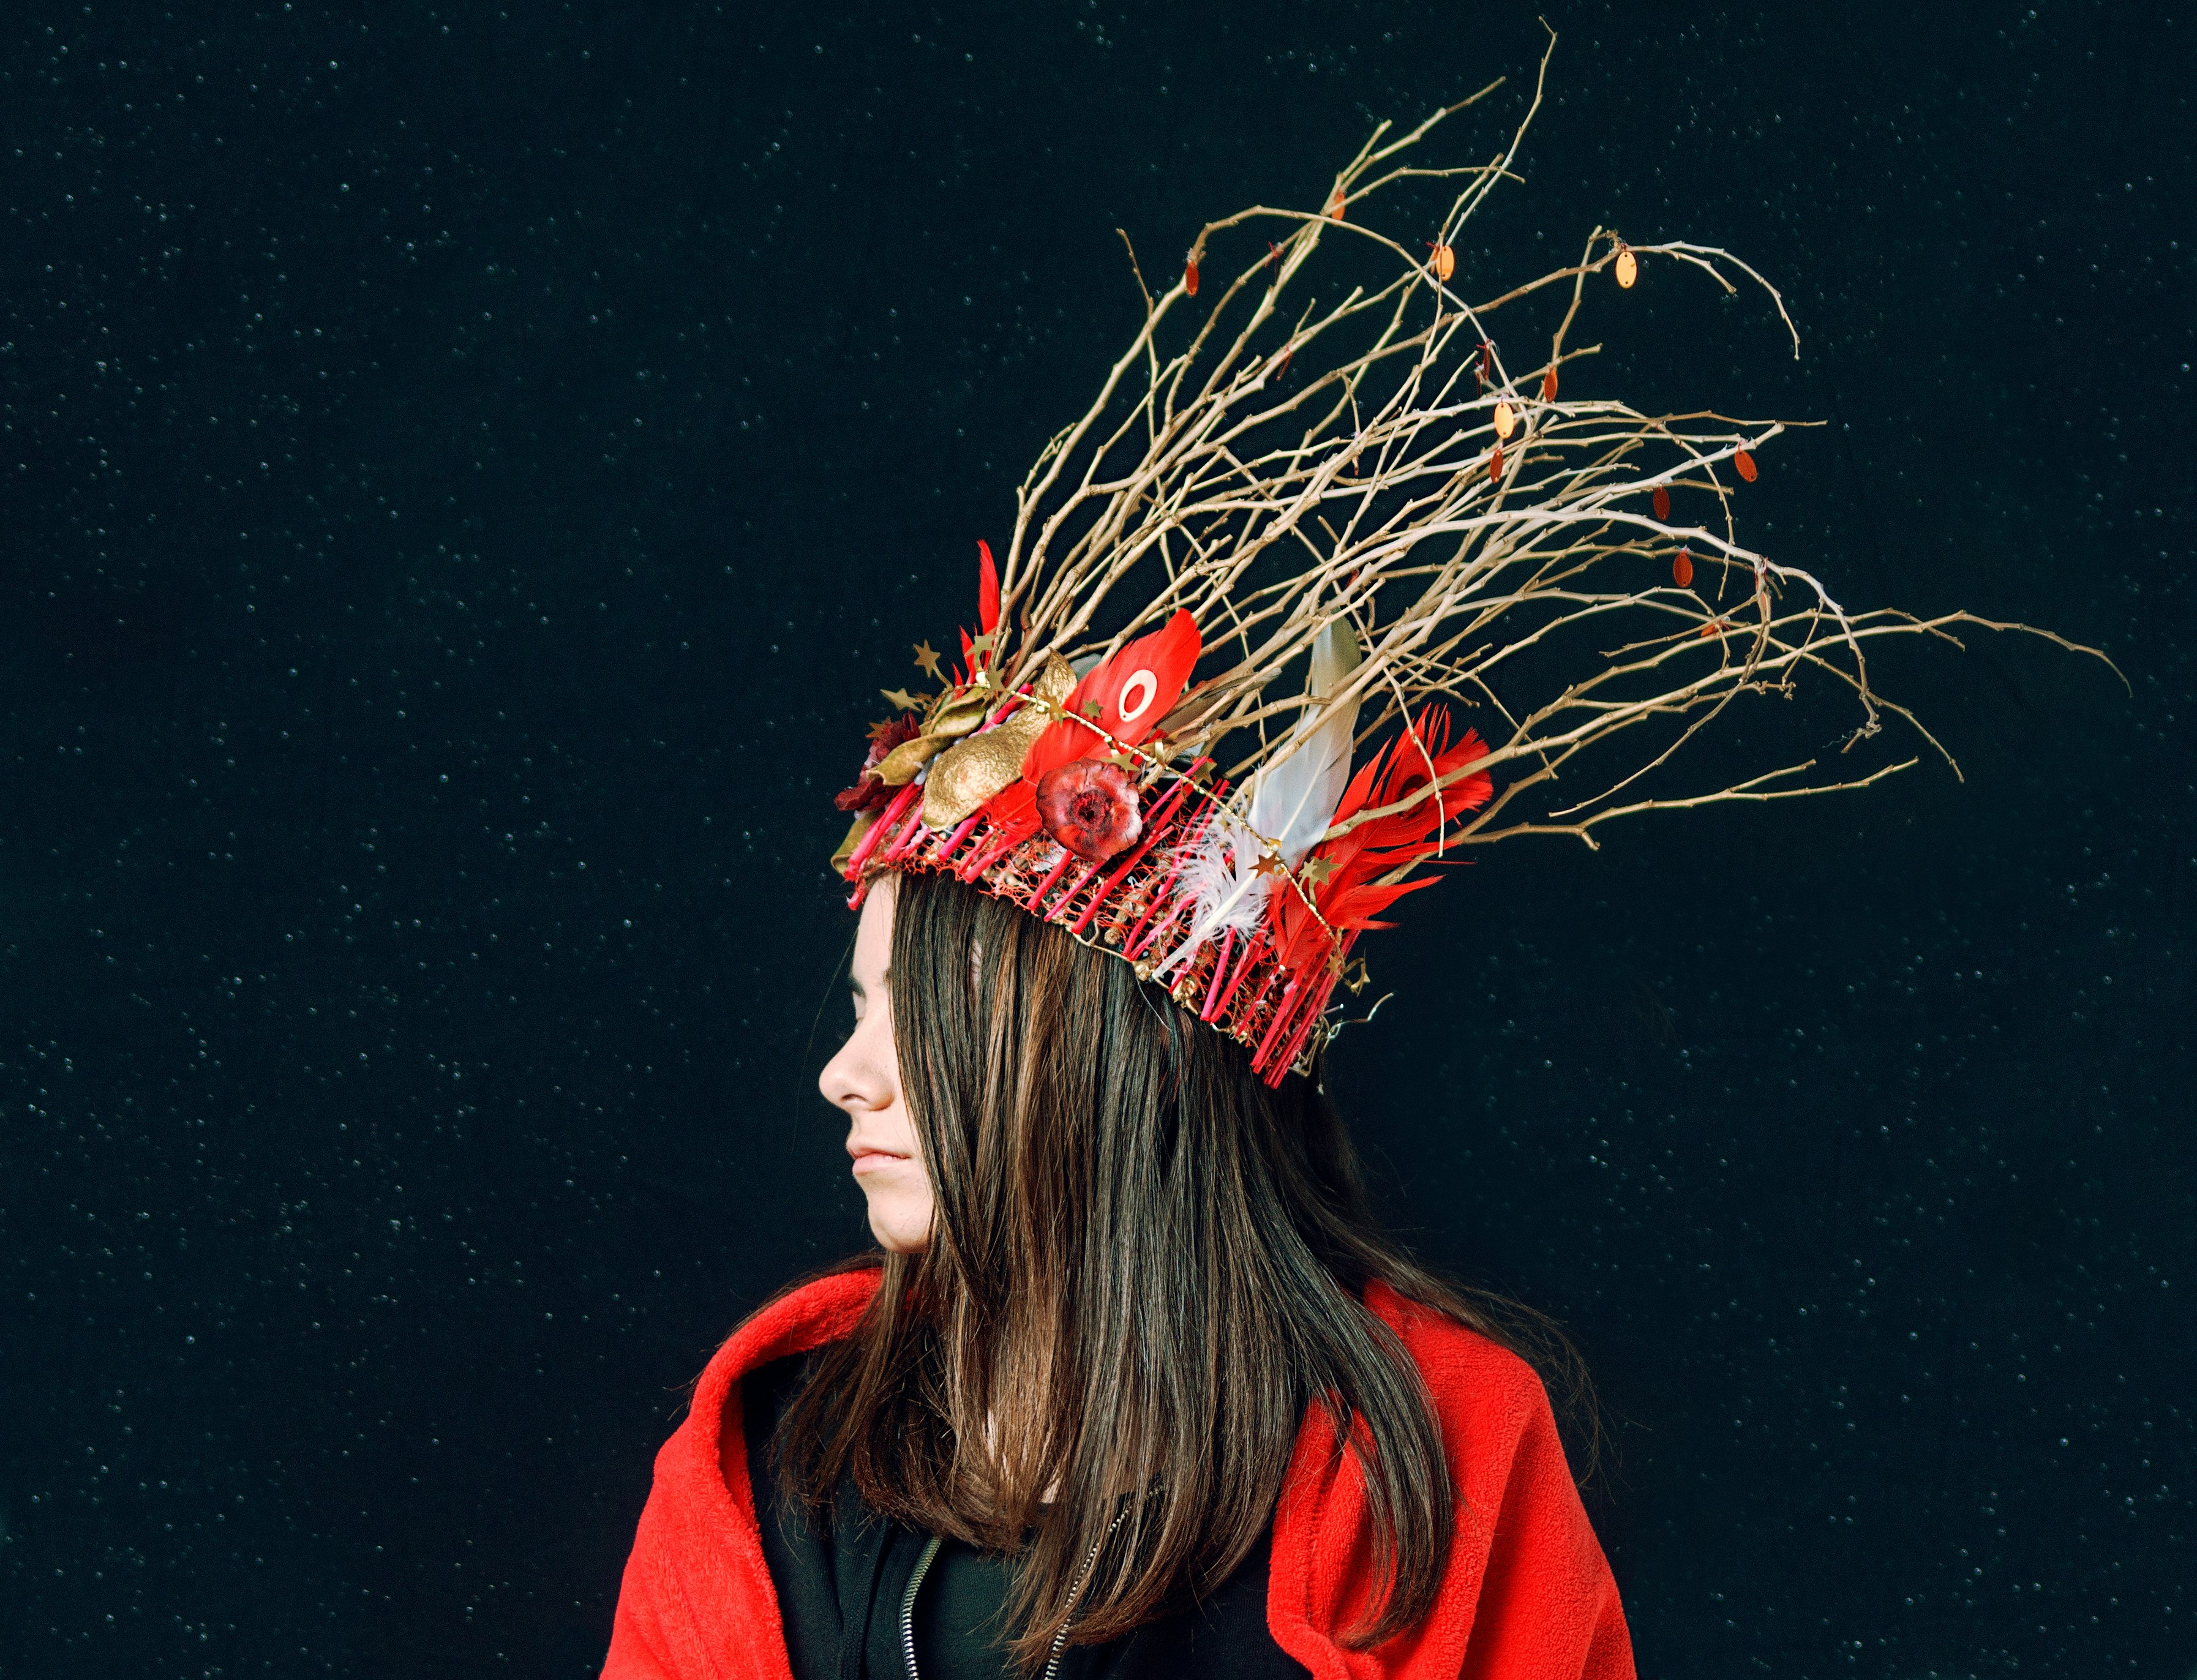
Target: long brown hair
[(1146, 1265)]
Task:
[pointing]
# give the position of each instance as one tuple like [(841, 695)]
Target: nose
[(852, 1082)]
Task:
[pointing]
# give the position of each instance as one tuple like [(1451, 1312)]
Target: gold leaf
[(863, 819), (960, 714), (1055, 681), (975, 769), (972, 770), (898, 767)]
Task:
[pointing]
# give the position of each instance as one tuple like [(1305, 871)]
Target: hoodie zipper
[(907, 1603), (1059, 1640)]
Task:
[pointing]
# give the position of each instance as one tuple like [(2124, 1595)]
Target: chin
[(895, 1242), (899, 1231)]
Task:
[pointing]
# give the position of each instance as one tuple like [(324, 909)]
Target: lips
[(869, 1158)]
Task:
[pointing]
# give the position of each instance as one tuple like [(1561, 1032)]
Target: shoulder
[(1527, 1582), (1524, 1588), (1482, 1392)]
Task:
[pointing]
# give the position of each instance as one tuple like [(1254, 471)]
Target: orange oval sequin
[(1548, 386), (1334, 206), (1506, 420), (1745, 463), (1662, 500), (1443, 262), (1682, 569), (1628, 267)]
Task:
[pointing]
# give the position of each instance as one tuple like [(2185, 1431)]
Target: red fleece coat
[(1527, 1595)]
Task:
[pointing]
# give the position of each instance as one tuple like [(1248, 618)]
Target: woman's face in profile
[(864, 1080)]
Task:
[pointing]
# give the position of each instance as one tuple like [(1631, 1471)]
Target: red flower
[(868, 793), (1090, 807)]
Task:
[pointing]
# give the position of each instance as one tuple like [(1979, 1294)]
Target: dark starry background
[(463, 470)]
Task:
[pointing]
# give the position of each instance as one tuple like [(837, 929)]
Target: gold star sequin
[(927, 657)]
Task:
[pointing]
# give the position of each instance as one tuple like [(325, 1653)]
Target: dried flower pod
[(1495, 465), (1090, 807), (1506, 420), (1628, 267), (1443, 262), (1190, 275), (1335, 206), (1549, 384), (1682, 569), (1745, 463), (1662, 501)]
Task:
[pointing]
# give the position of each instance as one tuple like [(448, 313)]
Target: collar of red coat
[(1526, 1589)]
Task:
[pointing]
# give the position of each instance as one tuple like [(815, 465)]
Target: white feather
[(1296, 799), (1219, 875)]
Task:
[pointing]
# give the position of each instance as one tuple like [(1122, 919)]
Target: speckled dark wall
[(462, 470)]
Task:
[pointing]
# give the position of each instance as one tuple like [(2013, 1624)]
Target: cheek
[(896, 1131), (891, 1122), (900, 1206)]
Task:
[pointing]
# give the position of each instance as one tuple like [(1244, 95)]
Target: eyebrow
[(861, 991)]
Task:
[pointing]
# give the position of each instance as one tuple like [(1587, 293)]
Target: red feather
[(1130, 707), (987, 589), (1014, 807), (1355, 892), (1063, 743), (1130, 693)]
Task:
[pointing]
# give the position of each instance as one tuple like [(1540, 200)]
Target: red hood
[(1527, 1595)]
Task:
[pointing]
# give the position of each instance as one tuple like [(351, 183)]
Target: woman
[(1137, 1389), (1084, 1417)]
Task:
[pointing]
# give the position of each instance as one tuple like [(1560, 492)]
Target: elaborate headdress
[(1279, 544)]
